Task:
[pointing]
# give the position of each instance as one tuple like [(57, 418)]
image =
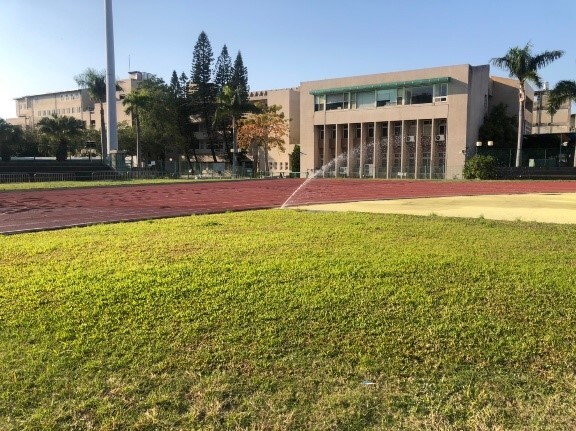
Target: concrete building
[(411, 124), (73, 103), (560, 122), (289, 101)]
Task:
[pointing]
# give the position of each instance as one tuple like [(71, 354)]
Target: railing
[(54, 176), (14, 178)]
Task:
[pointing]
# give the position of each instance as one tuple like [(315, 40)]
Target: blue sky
[(43, 45)]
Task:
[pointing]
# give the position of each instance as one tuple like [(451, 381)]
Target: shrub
[(480, 167)]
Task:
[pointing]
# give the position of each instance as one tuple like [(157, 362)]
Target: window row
[(63, 111), (274, 165), (377, 98), (70, 96), (410, 130)]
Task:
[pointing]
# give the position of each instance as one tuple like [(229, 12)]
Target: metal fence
[(14, 178), (54, 176)]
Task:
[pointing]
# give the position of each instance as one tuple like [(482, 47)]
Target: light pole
[(112, 130)]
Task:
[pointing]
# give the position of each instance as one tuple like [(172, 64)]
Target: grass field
[(287, 320), (47, 185)]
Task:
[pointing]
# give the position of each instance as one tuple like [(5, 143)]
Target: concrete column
[(418, 153), (377, 148), (433, 157), (403, 150), (337, 151), (349, 148), (389, 150)]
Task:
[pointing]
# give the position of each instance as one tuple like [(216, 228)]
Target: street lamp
[(480, 143)]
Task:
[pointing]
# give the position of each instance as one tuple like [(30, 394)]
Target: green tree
[(94, 82), (205, 92), (134, 102), (239, 79), (157, 118), (60, 130), (223, 70), (231, 107), (499, 127), (563, 91), (10, 135), (295, 159), (523, 65), (264, 130), (182, 102)]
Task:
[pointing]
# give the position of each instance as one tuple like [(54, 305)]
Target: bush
[(480, 167)]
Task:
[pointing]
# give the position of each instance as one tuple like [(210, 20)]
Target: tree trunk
[(522, 101), (103, 143)]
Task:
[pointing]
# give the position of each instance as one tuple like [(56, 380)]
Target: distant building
[(73, 103), (560, 122), (406, 124), (411, 124), (289, 101)]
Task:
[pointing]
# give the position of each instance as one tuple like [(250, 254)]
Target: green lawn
[(83, 184), (286, 320)]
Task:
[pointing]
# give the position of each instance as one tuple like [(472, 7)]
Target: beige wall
[(289, 100), (73, 103), (543, 122), (505, 90)]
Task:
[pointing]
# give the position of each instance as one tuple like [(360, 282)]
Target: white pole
[(112, 130)]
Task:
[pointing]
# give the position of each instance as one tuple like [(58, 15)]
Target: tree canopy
[(523, 65)]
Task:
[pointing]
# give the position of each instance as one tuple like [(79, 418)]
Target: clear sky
[(44, 44)]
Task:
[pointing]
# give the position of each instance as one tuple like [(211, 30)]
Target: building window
[(365, 99), (345, 131), (385, 130), (358, 131), (337, 101), (371, 130), (319, 102), (386, 97), (419, 95), (440, 92)]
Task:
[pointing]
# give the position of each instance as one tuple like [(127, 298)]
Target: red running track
[(34, 210)]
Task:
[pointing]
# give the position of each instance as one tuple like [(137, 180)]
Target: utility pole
[(112, 130)]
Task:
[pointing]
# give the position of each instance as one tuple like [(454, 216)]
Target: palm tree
[(523, 65), (60, 130), (232, 106), (562, 92), (133, 102), (94, 82)]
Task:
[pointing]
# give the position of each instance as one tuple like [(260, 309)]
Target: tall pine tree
[(223, 69), (204, 94), (239, 80)]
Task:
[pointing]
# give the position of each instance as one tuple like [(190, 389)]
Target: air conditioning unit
[(440, 138), (410, 139), (343, 170)]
